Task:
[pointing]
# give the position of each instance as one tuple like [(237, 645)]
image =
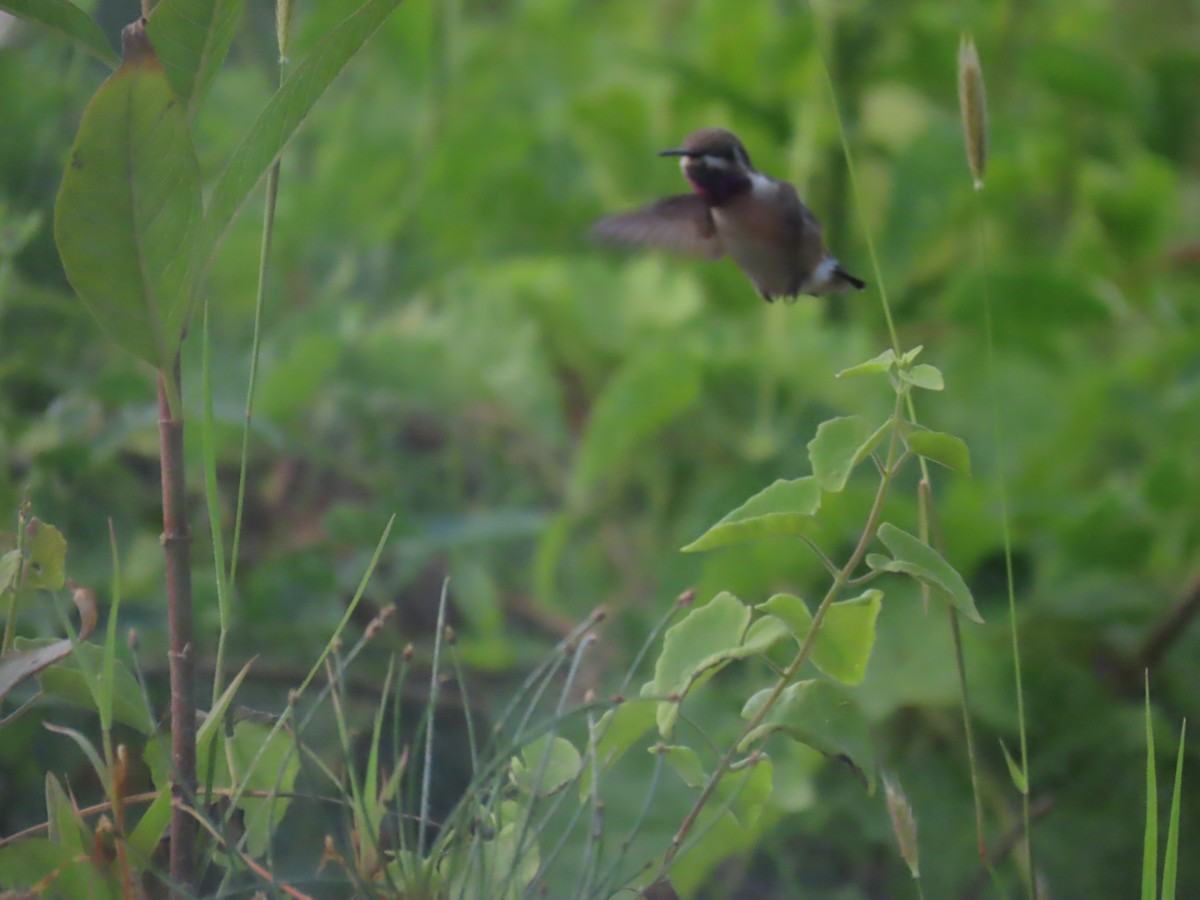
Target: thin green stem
[(1006, 537), (840, 580)]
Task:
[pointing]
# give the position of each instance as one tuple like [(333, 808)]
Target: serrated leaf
[(545, 766), (47, 557), (685, 761), (283, 114), (69, 20), (913, 557), (875, 365), (646, 393), (784, 509), (191, 37), (839, 446), (923, 376), (842, 647), (694, 649), (129, 210), (821, 715), (946, 449)]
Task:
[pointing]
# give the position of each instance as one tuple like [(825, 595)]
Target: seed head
[(972, 104)]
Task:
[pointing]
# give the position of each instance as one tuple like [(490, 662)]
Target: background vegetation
[(551, 422)]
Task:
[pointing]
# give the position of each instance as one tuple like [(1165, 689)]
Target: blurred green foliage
[(551, 422)]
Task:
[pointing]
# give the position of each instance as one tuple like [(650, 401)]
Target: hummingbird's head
[(715, 162)]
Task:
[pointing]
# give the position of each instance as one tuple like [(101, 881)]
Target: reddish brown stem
[(177, 543)]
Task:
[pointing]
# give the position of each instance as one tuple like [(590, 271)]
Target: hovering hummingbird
[(733, 208)]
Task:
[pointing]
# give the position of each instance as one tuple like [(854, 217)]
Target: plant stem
[(177, 541), (840, 579)]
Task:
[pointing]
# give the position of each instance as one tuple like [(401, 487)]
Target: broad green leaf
[(821, 715), (282, 115), (923, 376), (545, 766), (10, 570), (65, 825), (278, 763), (748, 787), (840, 445), (685, 761), (914, 557), (620, 728), (842, 647), (496, 869), (129, 210), (785, 508), (875, 365), (68, 20), (694, 649), (67, 681), (650, 390), (191, 38), (47, 557), (153, 824), (942, 448), (25, 863)]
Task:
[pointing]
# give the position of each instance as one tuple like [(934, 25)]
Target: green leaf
[(545, 766), (923, 376), (694, 649), (262, 762), (650, 390), (1019, 779), (685, 761), (65, 826), (68, 20), (914, 557), (749, 787), (620, 728), (1171, 851), (946, 449), (191, 37), (842, 647), (67, 681), (839, 446), (47, 557), (1150, 829), (875, 365), (785, 508), (821, 715), (129, 210), (20, 664), (282, 115)]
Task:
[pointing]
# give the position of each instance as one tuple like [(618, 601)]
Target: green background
[(551, 421)]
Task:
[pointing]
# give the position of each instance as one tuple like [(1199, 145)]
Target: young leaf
[(785, 508), (840, 445), (946, 449), (694, 649), (545, 766), (821, 715), (47, 557), (1015, 772), (923, 376), (191, 38), (875, 365), (914, 557), (68, 20), (685, 761), (843, 646), (283, 114), (129, 209)]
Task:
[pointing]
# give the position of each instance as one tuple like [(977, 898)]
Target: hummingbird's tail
[(840, 274)]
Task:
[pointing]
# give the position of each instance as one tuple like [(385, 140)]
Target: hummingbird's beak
[(677, 151)]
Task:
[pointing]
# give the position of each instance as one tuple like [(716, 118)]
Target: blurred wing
[(681, 224)]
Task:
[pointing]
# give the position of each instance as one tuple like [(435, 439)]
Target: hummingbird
[(735, 209)]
